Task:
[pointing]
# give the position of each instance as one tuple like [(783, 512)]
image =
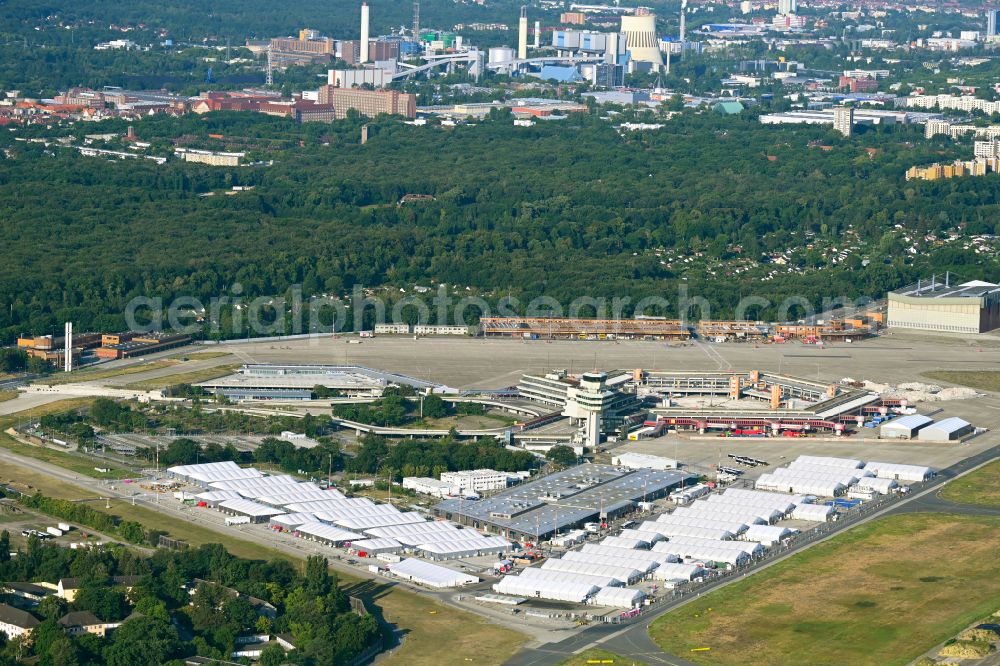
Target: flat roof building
[(563, 500)]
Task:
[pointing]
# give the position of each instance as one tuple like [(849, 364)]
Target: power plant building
[(970, 307)]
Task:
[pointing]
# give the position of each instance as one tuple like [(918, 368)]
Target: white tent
[(213, 497), (845, 463), (326, 533), (471, 547), (625, 575), (575, 592), (814, 512), (206, 473), (332, 504), (253, 510), (376, 546), (678, 571), (703, 532), (383, 520), (768, 535), (618, 597), (429, 574), (635, 533), (290, 521), (644, 564), (624, 542), (899, 472), (569, 576)]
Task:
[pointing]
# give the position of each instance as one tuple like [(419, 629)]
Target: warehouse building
[(431, 575), (937, 305), (564, 500), (947, 430), (905, 427)]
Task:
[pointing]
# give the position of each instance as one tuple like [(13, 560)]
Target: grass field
[(981, 380), (91, 375), (7, 395), (192, 377), (596, 656), (981, 487), (882, 593), (203, 355), (438, 635)]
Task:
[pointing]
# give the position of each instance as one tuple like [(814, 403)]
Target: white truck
[(237, 520)]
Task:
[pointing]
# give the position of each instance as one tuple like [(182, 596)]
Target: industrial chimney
[(538, 34), (684, 6), (68, 348), (522, 35), (364, 32)]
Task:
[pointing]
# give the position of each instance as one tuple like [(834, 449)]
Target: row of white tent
[(732, 528), (830, 477), (330, 517)]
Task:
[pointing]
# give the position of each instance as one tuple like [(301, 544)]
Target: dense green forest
[(562, 209), (429, 458), (163, 622)]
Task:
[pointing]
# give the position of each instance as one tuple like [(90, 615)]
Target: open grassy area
[(436, 634), (981, 380), (463, 422), (203, 355), (981, 487), (597, 656), (7, 395), (882, 593), (106, 373), (192, 377)]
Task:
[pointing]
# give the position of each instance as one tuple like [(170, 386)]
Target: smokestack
[(684, 5), (68, 348), (538, 34), (522, 35), (364, 32)]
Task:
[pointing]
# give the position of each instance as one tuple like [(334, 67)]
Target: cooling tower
[(640, 39)]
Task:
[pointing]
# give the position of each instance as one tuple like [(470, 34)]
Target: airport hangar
[(970, 307)]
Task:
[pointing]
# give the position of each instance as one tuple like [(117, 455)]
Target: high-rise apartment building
[(843, 120)]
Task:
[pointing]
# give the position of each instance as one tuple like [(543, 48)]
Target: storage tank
[(501, 54)]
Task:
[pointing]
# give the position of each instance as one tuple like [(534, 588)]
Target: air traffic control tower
[(587, 402)]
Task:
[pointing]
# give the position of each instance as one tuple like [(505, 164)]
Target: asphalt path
[(632, 641)]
